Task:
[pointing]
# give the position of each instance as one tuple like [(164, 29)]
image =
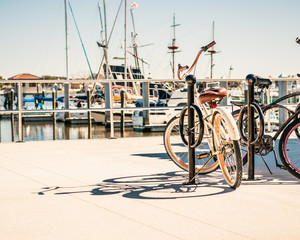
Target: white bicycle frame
[(208, 114)]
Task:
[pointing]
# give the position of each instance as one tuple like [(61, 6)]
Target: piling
[(88, 93), (54, 114), (123, 104), (146, 103), (12, 116)]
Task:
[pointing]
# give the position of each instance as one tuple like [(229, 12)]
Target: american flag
[(134, 5)]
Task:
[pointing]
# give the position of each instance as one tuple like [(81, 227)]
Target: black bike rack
[(251, 79), (191, 80), (251, 128)]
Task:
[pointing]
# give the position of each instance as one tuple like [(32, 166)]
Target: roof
[(24, 76)]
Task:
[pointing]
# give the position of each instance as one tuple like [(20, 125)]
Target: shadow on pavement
[(153, 155), (154, 186)]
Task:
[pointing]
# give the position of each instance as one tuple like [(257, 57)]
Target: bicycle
[(263, 143), (216, 134)]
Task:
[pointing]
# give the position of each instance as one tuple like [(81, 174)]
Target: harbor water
[(43, 131)]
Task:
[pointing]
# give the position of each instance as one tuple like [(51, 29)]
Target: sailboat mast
[(173, 52), (230, 69), (212, 56), (137, 65), (125, 43), (103, 44), (212, 52), (173, 47), (102, 32), (105, 33), (66, 33), (66, 85)]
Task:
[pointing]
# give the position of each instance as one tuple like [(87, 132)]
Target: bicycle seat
[(238, 103), (212, 94), (263, 82)]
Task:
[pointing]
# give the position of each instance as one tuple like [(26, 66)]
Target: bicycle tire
[(229, 157), (178, 152), (289, 151), (297, 131), (198, 126)]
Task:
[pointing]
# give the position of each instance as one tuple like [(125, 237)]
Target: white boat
[(158, 118)]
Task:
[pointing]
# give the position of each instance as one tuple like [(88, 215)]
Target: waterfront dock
[(127, 188)]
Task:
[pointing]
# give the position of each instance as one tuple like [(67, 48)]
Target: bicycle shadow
[(268, 179), (262, 176), (160, 186), (153, 155)]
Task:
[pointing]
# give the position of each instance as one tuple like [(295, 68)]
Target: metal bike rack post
[(251, 79), (191, 80)]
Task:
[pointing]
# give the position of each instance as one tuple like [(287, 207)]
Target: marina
[(121, 97), (112, 126), (138, 118)]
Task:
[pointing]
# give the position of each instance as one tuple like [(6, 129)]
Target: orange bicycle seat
[(212, 94)]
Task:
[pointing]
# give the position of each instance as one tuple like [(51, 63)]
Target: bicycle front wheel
[(289, 151), (229, 152), (178, 151)]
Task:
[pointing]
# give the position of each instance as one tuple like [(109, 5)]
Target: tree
[(49, 77)]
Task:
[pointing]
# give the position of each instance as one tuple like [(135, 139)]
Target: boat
[(39, 102), (157, 92), (131, 98)]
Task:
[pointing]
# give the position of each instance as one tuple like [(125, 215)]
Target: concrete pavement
[(129, 189)]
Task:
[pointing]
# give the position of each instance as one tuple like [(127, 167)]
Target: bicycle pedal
[(282, 167), (203, 155)]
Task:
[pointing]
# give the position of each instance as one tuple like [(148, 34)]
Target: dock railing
[(18, 85)]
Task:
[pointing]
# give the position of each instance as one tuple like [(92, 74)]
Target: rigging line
[(113, 18), (81, 41), (110, 35)]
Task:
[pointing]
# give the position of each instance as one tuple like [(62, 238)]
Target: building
[(29, 88)]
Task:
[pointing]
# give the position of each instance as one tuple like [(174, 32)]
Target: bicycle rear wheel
[(178, 151), (229, 152), (289, 148)]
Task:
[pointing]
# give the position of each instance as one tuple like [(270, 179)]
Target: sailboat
[(114, 72), (158, 118), (124, 72)]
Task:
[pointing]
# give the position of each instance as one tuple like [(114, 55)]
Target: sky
[(256, 36)]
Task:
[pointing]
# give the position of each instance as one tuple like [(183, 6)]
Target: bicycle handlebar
[(205, 48), (180, 68)]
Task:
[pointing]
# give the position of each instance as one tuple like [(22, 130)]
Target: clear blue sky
[(256, 36)]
